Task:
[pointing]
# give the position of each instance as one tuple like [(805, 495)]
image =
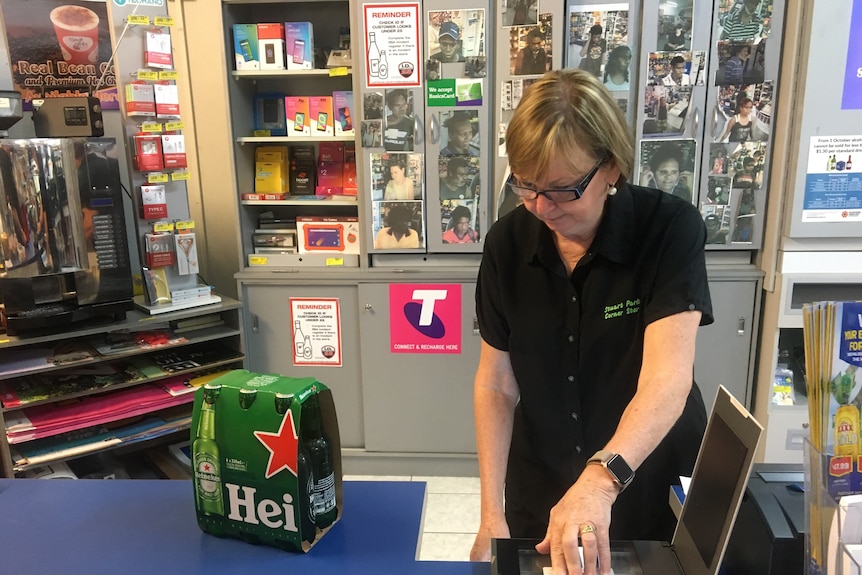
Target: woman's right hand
[(647, 178), (495, 529)]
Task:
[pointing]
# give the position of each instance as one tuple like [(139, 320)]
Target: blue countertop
[(148, 527)]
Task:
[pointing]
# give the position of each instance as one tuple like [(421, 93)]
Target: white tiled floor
[(451, 515)]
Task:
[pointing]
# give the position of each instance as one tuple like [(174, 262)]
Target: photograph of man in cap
[(449, 39)]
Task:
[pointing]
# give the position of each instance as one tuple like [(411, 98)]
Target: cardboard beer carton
[(251, 480)]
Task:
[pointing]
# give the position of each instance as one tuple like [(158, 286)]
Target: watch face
[(621, 469)]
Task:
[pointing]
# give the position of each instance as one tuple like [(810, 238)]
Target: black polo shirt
[(576, 343)]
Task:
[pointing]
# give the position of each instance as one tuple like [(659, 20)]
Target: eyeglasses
[(559, 195)]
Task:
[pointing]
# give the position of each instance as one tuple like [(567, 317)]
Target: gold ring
[(587, 528)]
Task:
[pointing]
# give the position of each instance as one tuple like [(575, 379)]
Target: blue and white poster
[(853, 75), (833, 184)]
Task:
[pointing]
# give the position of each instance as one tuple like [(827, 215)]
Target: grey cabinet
[(416, 402), (724, 353), (269, 339)]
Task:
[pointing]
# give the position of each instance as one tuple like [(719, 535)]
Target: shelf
[(289, 140), (328, 72), (313, 200)]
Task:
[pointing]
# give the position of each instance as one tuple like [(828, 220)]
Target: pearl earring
[(612, 190)]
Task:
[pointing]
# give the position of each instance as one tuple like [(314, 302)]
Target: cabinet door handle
[(740, 326), (255, 323), (369, 307), (435, 129)]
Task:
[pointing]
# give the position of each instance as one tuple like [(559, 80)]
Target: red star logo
[(282, 447)]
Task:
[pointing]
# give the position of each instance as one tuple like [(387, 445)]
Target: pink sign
[(425, 318)]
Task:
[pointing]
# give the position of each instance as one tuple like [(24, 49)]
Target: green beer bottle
[(205, 457), (304, 480), (320, 457)]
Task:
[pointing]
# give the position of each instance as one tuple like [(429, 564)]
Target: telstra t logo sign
[(421, 315)]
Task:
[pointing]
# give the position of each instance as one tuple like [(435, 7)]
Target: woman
[(617, 69), (588, 300), (664, 171), (740, 126), (399, 187), (397, 234)]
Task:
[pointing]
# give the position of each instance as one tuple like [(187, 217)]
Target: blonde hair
[(562, 111)]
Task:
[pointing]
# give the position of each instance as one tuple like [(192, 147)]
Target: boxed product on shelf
[(330, 179), (299, 45), (274, 240), (320, 115), (247, 429), (174, 151), (154, 204), (245, 47), (158, 50), (167, 100), (296, 109), (140, 99), (148, 153), (269, 114), (160, 250), (270, 41), (349, 179), (321, 234), (270, 169), (302, 170), (331, 152), (342, 107)]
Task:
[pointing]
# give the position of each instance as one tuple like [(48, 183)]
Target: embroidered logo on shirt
[(620, 309)]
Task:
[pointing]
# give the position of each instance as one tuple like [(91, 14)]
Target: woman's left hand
[(587, 504)]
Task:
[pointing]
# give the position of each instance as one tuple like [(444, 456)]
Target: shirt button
[(575, 417), (571, 338), (571, 378), (691, 306), (578, 449)]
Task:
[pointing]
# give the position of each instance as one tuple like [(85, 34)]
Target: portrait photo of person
[(718, 189), (475, 67), (746, 162), (665, 110), (532, 59), (736, 65), (460, 133), (372, 106), (593, 50), (396, 176), (674, 25), (744, 20), (399, 225), (454, 35), (371, 133), (455, 175), (668, 166), (520, 12), (677, 76), (616, 78), (459, 226), (398, 132)]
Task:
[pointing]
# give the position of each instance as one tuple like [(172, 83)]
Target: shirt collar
[(614, 238)]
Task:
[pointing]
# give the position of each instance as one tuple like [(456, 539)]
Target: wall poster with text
[(59, 48), (315, 331), (392, 39), (425, 318)]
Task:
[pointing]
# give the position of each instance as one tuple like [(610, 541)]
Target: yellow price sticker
[(163, 227), (186, 225), (179, 176), (157, 178), (147, 75), (262, 133), (174, 126), (138, 19), (334, 262), (149, 127), (340, 71), (166, 21), (168, 75), (257, 260)]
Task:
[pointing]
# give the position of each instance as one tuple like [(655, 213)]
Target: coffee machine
[(62, 232)]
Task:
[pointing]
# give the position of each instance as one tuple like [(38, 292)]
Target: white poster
[(833, 186), (392, 41), (315, 331)]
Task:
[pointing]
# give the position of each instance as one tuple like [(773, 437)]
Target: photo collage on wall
[(744, 106), (599, 43)]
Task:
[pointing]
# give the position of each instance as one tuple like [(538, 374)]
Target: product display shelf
[(330, 19), (14, 349)]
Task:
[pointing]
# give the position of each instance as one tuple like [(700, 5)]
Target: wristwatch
[(620, 471)]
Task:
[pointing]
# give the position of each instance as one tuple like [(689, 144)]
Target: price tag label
[(157, 178), (147, 75), (334, 262), (168, 75), (185, 225), (257, 260), (262, 133), (165, 21), (151, 127), (138, 19), (174, 126), (179, 176), (163, 227), (340, 71)]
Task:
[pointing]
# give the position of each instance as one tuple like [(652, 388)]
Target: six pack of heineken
[(267, 459)]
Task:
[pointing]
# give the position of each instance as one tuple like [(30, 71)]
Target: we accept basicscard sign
[(425, 318)]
